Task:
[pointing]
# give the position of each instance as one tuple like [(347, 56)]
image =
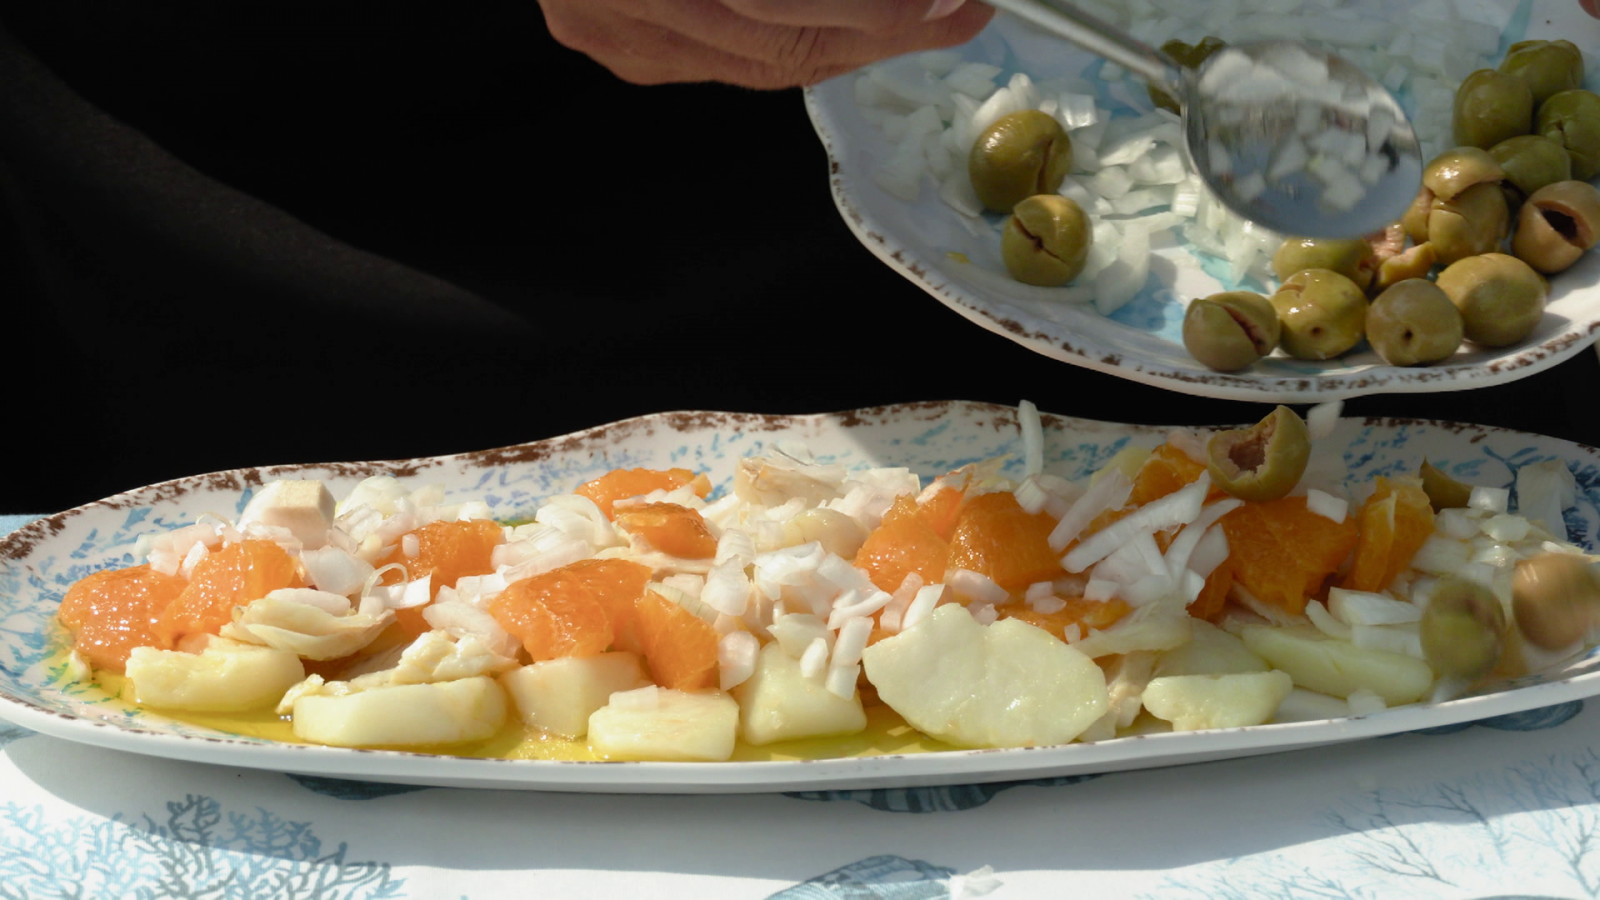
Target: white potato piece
[(1210, 651), (1126, 678), (777, 703), (559, 695), (1308, 706), (407, 715), (225, 676), (662, 724), (1339, 668), (1009, 684), (1197, 702), (304, 507)]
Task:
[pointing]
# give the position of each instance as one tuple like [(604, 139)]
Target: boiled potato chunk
[(1196, 702), (225, 676), (559, 695), (777, 703), (1211, 651), (1339, 668), (406, 715), (662, 724), (1008, 684)]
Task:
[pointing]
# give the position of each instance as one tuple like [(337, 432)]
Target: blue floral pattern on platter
[(38, 562)]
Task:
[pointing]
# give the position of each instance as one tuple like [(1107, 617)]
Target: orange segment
[(115, 610), (554, 615), (672, 529), (615, 584), (1394, 522), (445, 552), (942, 510), (997, 538), (1214, 596), (902, 543), (679, 647), (620, 484), (229, 576), (1086, 614), (1282, 552), (1166, 470)]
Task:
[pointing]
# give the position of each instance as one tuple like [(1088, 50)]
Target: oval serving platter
[(1142, 341), (39, 561)]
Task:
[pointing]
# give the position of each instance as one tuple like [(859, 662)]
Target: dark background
[(270, 233)]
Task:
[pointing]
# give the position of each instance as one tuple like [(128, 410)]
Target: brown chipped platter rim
[(1142, 342), (39, 560)]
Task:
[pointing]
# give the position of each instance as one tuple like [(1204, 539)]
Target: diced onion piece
[(1325, 621), (1492, 499), (736, 657), (1326, 505)]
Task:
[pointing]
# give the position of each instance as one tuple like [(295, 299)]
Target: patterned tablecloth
[(1506, 806)]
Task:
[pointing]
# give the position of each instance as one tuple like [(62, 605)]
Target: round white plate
[(1142, 341), (39, 561)]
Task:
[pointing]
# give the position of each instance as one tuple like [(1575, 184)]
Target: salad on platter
[(1194, 585)]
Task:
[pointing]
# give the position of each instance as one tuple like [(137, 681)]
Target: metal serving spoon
[(1288, 136)]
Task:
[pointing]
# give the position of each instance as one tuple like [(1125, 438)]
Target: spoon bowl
[(1288, 136)]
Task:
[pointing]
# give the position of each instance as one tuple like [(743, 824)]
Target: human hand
[(756, 43)]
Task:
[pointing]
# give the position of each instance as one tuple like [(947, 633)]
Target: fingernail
[(942, 8)]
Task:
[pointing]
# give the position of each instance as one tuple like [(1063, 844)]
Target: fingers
[(871, 16), (661, 41)]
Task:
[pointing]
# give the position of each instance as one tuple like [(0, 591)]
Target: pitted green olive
[(1472, 222), (1455, 170), (1231, 330), (1046, 240), (1354, 259), (1532, 161), (1415, 220), (1264, 461), (1415, 262), (1572, 119), (1020, 155), (1323, 314), (1413, 322), (1462, 629), (1490, 107), (1557, 225), (1546, 67), (1555, 599), (1501, 299), (1190, 56), (1443, 491)]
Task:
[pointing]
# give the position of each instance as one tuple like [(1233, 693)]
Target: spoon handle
[(1101, 38)]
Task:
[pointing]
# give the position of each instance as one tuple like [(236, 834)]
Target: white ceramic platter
[(1142, 340), (38, 563)]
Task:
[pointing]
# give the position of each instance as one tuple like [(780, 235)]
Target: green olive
[(1462, 629), (1413, 322), (1443, 491), (1472, 222), (1500, 297), (1020, 155), (1046, 240), (1572, 119), (1555, 599), (1415, 262), (1323, 314), (1190, 56), (1546, 67), (1455, 170), (1532, 161), (1354, 259), (1557, 225), (1415, 220), (1231, 330), (1264, 461), (1490, 107)]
